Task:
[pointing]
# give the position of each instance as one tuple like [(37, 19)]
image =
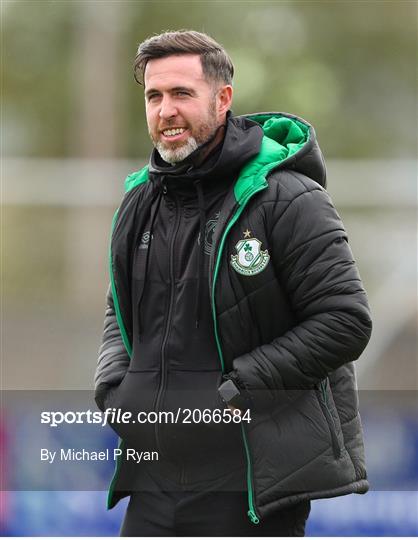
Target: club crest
[(250, 259)]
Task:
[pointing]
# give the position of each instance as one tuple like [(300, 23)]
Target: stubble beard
[(205, 131)]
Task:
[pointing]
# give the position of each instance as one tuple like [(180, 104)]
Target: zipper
[(167, 328), (252, 513), (251, 510), (329, 418)]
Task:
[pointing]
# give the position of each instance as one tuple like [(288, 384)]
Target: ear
[(224, 100)]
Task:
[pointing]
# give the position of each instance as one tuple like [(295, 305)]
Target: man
[(232, 285)]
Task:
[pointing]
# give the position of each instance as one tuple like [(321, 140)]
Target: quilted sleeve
[(113, 358), (315, 265)]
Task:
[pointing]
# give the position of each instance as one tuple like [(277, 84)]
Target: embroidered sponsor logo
[(249, 259), (144, 240)]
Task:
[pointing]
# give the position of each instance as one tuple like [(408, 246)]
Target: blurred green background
[(348, 67), (73, 127)]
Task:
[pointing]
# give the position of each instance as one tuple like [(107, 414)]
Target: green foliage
[(350, 68)]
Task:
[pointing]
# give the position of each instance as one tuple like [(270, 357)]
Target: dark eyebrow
[(183, 89), (190, 91), (151, 91)]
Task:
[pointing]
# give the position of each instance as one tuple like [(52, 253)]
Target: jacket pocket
[(322, 394)]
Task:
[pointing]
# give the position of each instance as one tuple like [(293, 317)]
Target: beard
[(177, 152), (175, 155)]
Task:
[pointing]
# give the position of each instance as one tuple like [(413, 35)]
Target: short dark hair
[(216, 64)]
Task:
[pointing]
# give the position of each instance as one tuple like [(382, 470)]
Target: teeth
[(172, 132)]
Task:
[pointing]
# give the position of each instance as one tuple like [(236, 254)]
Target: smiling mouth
[(173, 132)]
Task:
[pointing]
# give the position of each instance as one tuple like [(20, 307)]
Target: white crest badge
[(250, 259)]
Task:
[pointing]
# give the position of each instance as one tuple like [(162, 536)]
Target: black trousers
[(166, 510)]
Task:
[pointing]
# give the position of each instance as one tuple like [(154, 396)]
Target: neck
[(209, 146)]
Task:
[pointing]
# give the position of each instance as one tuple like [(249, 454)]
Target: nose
[(167, 108)]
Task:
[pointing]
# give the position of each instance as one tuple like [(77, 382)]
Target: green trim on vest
[(131, 181), (136, 178), (118, 313)]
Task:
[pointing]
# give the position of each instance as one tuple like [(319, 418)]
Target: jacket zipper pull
[(253, 517)]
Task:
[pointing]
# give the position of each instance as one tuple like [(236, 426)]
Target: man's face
[(182, 108)]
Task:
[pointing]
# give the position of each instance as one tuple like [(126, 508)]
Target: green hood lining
[(283, 137)]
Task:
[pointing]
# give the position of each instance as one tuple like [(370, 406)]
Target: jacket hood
[(293, 143)]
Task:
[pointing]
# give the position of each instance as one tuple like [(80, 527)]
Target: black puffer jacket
[(290, 316)]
